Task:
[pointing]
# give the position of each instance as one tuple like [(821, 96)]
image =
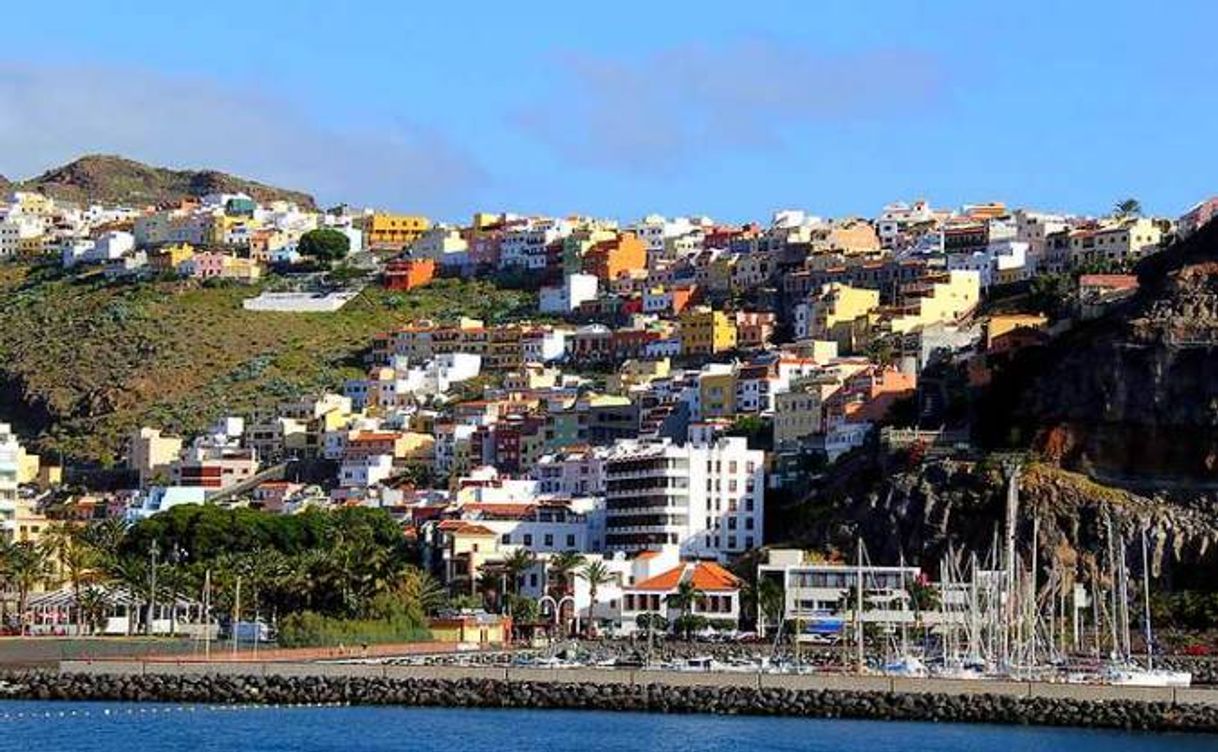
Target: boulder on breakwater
[(695, 698)]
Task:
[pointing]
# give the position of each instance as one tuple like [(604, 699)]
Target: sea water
[(145, 727)]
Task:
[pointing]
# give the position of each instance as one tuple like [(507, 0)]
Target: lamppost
[(153, 551)]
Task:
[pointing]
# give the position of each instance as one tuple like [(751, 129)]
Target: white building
[(821, 597), (443, 244), (543, 345), (719, 602), (365, 471), (706, 499), (1000, 262), (113, 245), (896, 218), (527, 247), (17, 228), (571, 473), (574, 290), (161, 498), (10, 465)]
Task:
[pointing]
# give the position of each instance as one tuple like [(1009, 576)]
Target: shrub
[(307, 629)]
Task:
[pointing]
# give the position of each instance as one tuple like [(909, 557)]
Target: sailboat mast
[(1146, 603), (1009, 574), (858, 608)]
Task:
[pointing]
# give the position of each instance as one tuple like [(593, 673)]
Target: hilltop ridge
[(111, 179)]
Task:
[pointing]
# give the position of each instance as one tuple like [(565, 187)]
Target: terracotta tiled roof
[(469, 529), (663, 582), (706, 576), (709, 576)]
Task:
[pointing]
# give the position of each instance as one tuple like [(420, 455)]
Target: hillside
[(115, 180), (83, 363), (1133, 397)]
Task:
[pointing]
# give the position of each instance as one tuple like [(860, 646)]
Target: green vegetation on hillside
[(83, 362)]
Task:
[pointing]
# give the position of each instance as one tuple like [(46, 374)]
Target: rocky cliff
[(1131, 398), (929, 510)]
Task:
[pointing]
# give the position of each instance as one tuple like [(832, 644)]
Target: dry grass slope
[(85, 362)]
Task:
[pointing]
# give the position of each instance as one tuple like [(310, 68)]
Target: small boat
[(1136, 676), (907, 666)]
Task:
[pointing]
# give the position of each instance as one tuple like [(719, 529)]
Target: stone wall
[(753, 694)]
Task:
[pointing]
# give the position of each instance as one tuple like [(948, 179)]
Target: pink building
[(206, 265)]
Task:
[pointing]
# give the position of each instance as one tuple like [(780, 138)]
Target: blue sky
[(621, 109)]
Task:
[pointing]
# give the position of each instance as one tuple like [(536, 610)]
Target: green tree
[(1129, 207), (75, 558), (686, 595), (596, 574), (562, 567), (25, 566), (516, 564), (326, 245)]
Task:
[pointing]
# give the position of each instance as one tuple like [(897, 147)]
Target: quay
[(760, 681)]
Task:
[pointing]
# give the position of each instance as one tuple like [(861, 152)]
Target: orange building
[(610, 259), (407, 274)]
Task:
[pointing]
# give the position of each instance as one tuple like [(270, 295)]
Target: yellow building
[(851, 237), (471, 629), (841, 313), (943, 299), (636, 373), (171, 257), (150, 454), (717, 392), (394, 231), (705, 331)]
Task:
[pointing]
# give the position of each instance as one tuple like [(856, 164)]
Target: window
[(507, 539), (528, 539), (549, 539), (571, 541)]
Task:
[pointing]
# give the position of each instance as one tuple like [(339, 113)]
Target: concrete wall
[(840, 682)]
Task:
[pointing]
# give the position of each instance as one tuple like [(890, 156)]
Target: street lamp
[(154, 550)]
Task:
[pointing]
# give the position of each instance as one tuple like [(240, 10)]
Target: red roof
[(663, 582), (709, 576), (706, 576), (1109, 281)]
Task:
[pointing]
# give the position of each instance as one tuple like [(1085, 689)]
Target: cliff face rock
[(944, 508), (1133, 398), (115, 180)]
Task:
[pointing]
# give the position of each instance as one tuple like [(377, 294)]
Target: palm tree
[(516, 564), (562, 565), (1130, 207), (92, 604), (419, 588), (26, 565), (595, 573), (686, 595), (75, 558), (763, 600)]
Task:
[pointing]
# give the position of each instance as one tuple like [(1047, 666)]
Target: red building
[(407, 274)]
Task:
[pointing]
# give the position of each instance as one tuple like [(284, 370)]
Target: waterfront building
[(708, 499)]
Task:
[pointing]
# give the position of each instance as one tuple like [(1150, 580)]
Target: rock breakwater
[(693, 698)]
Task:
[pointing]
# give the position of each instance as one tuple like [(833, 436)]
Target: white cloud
[(655, 113), (50, 115)]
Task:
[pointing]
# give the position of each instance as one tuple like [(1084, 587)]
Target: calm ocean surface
[(111, 727)]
